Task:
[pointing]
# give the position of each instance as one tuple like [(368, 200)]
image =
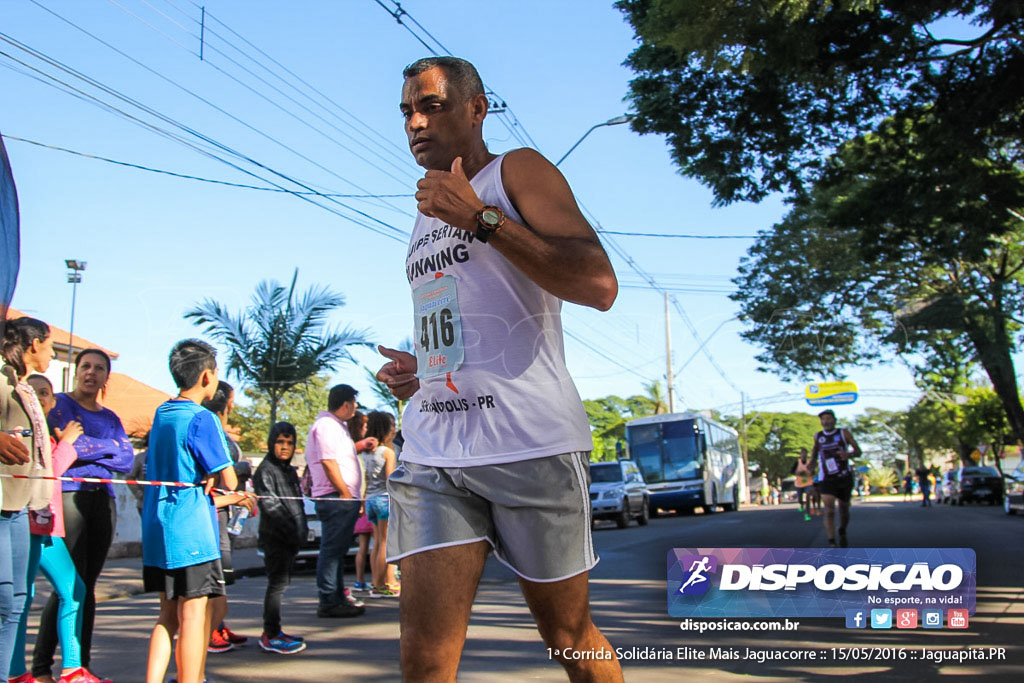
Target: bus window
[(645, 449), (680, 450)]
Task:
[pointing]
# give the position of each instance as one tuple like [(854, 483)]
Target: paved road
[(629, 601)]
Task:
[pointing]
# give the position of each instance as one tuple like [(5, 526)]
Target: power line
[(283, 94), (152, 112), (95, 83), (685, 237), (384, 143), (602, 354), (199, 178)]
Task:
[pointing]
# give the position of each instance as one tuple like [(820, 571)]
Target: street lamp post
[(625, 118), (74, 278)]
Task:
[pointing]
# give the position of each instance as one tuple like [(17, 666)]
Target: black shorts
[(840, 487), (223, 514), (194, 581)]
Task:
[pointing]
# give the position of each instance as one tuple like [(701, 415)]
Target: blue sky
[(155, 245)]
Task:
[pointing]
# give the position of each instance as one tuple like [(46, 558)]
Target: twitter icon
[(881, 618)]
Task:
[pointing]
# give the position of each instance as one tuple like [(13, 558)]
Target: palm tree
[(280, 340)]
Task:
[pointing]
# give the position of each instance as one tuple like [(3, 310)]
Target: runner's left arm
[(554, 246)]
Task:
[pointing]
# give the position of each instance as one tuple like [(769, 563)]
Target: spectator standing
[(90, 511), (336, 478), (26, 346), (378, 466), (924, 484), (180, 545), (49, 553), (282, 528), (223, 639), (363, 530)]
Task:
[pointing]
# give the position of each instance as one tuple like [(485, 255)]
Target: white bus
[(688, 460)]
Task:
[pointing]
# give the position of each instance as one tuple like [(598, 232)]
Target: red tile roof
[(62, 337), (134, 402)]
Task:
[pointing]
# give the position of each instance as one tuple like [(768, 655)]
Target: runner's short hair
[(827, 411), (459, 73)]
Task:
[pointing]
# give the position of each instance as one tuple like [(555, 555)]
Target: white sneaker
[(355, 601)]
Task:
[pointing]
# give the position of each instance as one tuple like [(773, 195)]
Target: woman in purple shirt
[(89, 509)]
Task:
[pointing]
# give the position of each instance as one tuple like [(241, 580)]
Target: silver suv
[(618, 491)]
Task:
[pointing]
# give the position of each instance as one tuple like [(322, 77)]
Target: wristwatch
[(488, 221)]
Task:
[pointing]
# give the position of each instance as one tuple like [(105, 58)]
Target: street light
[(625, 118), (74, 278)]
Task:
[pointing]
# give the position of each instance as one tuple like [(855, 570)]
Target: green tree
[(754, 96), (282, 339), (300, 406), (835, 284), (608, 417), (900, 148), (774, 440)]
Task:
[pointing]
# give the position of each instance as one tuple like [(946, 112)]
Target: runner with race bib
[(834, 449)]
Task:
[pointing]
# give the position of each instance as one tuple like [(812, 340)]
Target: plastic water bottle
[(237, 521)]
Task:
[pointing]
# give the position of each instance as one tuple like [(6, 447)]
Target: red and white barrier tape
[(143, 482)]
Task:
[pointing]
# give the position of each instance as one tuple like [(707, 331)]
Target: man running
[(496, 439), (834, 448)]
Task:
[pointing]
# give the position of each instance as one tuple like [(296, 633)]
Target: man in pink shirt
[(337, 479)]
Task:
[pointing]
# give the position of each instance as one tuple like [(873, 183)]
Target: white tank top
[(493, 383)]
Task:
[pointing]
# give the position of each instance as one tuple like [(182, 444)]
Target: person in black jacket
[(282, 525)]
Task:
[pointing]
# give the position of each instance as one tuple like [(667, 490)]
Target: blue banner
[(817, 582)]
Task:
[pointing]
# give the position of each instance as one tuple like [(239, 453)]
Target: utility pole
[(745, 495), (74, 277), (668, 358)]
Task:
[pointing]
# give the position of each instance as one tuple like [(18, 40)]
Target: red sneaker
[(79, 675), (26, 677), (218, 643), (233, 637)]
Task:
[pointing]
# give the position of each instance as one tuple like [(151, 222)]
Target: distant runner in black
[(834, 449)]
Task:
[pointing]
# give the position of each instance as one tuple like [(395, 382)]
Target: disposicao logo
[(696, 580), (822, 582)]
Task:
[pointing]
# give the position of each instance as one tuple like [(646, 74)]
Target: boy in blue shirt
[(180, 548)]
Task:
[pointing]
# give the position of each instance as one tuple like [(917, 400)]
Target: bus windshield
[(681, 459), (665, 451)]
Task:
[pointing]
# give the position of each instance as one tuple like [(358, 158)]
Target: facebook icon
[(855, 618)]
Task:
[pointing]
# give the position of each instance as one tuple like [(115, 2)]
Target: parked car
[(974, 484), (309, 548), (618, 491), (1013, 497), (945, 487)]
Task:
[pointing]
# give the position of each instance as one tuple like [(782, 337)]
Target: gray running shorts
[(534, 513)]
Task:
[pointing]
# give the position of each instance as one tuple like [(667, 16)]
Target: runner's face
[(284, 447), (439, 121), (828, 422)]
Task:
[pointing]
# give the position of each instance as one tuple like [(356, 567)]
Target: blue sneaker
[(281, 645), (358, 586)]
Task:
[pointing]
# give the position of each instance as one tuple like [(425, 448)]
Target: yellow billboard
[(831, 393)]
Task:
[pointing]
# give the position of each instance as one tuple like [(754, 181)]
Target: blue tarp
[(10, 258), (10, 252)]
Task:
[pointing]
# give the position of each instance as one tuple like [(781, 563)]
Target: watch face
[(490, 216)]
